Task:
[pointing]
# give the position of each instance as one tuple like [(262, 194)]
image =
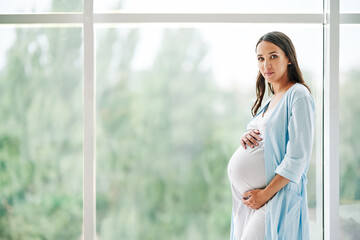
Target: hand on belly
[(246, 168), (251, 138)]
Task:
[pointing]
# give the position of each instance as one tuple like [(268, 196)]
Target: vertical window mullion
[(89, 198), (331, 120)]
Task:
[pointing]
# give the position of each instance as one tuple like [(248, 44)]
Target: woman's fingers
[(247, 195), (243, 144), (248, 142), (252, 139), (246, 198), (255, 135)]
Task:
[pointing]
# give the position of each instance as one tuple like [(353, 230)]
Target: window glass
[(172, 102), (349, 129), (210, 6), (37, 6), (350, 6), (41, 133)]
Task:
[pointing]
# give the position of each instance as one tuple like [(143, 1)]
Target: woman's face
[(272, 62)]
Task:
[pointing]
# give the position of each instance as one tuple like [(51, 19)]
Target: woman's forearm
[(277, 183)]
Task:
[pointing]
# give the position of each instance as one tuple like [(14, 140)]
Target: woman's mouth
[(268, 74)]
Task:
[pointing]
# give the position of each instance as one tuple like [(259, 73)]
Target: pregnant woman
[(267, 172)]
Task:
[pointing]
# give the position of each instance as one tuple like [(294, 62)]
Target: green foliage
[(41, 136), (161, 168), (349, 137)]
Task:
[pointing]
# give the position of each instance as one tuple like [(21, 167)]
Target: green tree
[(349, 140), (162, 145), (41, 135)]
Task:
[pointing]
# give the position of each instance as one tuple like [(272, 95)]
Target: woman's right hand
[(250, 138)]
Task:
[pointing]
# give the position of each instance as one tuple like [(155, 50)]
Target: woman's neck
[(281, 88)]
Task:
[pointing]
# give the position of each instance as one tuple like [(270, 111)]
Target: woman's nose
[(266, 63)]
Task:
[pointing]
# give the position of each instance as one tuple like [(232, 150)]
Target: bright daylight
[(179, 120)]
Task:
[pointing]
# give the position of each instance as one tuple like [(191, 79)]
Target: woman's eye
[(260, 58), (273, 56)]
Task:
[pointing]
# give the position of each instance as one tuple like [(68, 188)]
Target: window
[(170, 85), (42, 6), (349, 115), (212, 6), (167, 129), (349, 6), (41, 133)]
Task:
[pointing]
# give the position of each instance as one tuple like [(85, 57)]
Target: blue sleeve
[(299, 146)]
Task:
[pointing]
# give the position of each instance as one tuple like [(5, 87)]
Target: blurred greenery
[(349, 155), (41, 135), (161, 154), (349, 137)]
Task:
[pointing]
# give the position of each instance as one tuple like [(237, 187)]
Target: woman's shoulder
[(297, 92)]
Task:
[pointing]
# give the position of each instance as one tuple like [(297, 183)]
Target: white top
[(246, 171)]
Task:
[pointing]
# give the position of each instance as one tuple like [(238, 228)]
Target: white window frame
[(330, 143), (331, 20)]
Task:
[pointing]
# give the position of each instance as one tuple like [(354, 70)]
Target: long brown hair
[(294, 73)]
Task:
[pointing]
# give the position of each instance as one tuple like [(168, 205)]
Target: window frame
[(331, 18)]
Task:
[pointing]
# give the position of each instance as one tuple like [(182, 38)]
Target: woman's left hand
[(255, 199)]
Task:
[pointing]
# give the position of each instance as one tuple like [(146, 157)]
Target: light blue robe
[(289, 138)]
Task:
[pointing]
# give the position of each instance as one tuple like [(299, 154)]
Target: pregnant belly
[(246, 168)]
